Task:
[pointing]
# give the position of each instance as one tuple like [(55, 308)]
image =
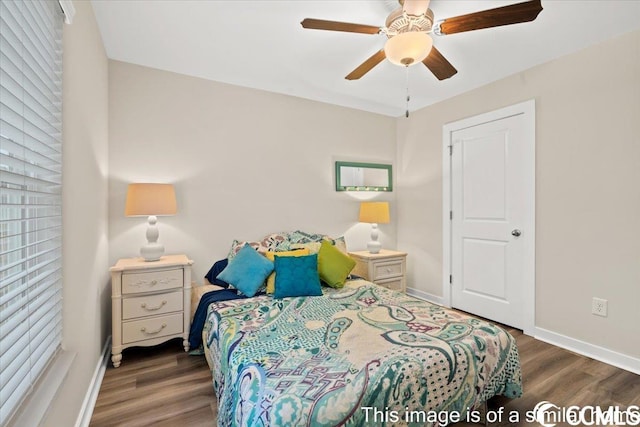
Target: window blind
[(30, 195)]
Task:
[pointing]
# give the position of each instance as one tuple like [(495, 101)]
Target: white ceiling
[(260, 44)]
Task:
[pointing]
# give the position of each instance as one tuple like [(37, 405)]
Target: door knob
[(516, 232)]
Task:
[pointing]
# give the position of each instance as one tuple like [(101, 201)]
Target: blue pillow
[(212, 275), (247, 271), (297, 276)]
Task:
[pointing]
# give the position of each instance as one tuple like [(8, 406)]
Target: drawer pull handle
[(388, 270), (144, 330), (158, 307), (154, 282)]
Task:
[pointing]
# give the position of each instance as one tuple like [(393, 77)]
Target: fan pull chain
[(406, 114)]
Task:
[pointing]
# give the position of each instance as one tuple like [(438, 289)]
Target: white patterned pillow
[(303, 237), (276, 242), (314, 247), (238, 244), (272, 242), (339, 243)]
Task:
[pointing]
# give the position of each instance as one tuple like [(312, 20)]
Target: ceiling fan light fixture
[(409, 48)]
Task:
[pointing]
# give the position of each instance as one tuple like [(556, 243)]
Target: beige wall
[(86, 289), (244, 162), (587, 188), (247, 162)]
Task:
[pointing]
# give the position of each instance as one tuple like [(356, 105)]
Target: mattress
[(338, 358)]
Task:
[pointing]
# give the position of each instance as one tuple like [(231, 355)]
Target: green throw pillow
[(247, 271), (333, 265)]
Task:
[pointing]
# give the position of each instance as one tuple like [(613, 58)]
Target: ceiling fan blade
[(506, 15), (319, 24), (367, 65), (438, 65)]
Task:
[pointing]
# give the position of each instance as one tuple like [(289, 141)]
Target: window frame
[(31, 221)]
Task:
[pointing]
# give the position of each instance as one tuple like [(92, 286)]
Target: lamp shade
[(374, 212), (150, 199), (408, 48)]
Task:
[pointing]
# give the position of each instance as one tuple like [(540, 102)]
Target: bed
[(359, 355)]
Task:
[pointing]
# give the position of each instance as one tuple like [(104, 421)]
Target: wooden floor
[(163, 386), (159, 386)]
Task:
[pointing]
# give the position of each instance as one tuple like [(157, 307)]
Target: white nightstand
[(386, 268), (151, 302)]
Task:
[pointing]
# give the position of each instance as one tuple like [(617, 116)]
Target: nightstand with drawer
[(151, 302), (386, 268)]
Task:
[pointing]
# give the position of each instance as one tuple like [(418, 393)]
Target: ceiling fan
[(407, 29)]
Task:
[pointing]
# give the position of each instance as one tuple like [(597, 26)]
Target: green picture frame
[(356, 176)]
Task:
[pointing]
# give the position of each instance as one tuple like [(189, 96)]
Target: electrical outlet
[(599, 307)]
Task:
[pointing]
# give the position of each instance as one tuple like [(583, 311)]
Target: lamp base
[(374, 247), (152, 251)]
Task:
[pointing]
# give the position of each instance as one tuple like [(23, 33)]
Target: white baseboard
[(86, 411), (593, 351), (619, 360), (425, 296)]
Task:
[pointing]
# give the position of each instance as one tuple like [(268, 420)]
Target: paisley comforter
[(361, 355)]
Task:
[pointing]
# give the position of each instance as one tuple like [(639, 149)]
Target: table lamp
[(151, 200), (374, 213)]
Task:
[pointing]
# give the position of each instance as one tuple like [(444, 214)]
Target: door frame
[(527, 109)]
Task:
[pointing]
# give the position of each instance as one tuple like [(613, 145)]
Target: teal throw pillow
[(247, 271), (333, 265), (297, 276)]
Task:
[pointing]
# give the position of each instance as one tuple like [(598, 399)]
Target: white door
[(492, 226)]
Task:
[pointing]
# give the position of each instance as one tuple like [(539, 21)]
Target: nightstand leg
[(116, 359), (185, 343)]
